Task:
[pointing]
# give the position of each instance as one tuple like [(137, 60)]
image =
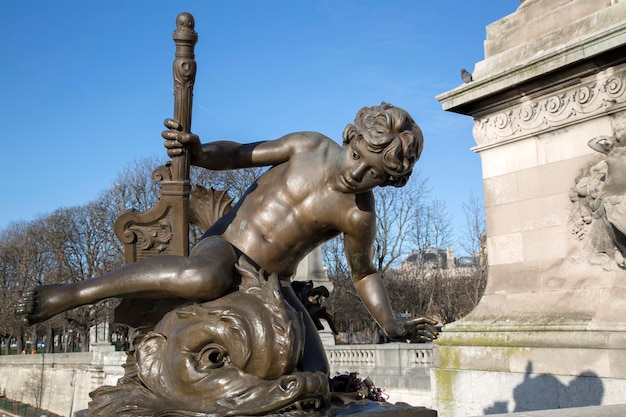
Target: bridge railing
[(401, 369), (400, 357)]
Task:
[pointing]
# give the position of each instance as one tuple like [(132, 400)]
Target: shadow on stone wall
[(546, 392)]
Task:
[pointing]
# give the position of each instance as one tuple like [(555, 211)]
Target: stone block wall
[(59, 382)]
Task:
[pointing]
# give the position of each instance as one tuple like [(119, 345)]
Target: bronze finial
[(184, 69)]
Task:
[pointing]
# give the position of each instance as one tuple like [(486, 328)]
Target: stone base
[(486, 372), (344, 405), (101, 347), (598, 411), (327, 337)]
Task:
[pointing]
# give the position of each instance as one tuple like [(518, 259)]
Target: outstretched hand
[(176, 140), (421, 328)]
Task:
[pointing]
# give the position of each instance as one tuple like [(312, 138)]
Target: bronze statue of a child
[(314, 190)]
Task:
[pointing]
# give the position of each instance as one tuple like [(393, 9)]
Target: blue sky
[(86, 85)]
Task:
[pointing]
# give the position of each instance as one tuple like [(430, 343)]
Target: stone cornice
[(511, 69), (600, 94)]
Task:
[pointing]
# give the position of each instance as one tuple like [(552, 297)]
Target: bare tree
[(235, 182), (394, 210), (411, 290), (440, 225), (136, 187), (334, 259), (26, 261), (457, 289), (432, 229), (449, 305), (81, 238), (475, 245), (474, 226), (33, 388)]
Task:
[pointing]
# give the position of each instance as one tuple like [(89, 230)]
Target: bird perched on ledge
[(466, 76)]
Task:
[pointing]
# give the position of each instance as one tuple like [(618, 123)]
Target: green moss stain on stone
[(444, 381), (450, 358)]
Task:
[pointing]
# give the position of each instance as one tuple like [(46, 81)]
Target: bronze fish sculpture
[(234, 356)]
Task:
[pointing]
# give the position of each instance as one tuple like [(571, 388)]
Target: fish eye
[(212, 356)]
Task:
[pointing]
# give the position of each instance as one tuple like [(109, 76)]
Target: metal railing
[(15, 408)]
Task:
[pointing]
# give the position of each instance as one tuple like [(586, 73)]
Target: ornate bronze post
[(184, 69), (177, 191), (165, 227)]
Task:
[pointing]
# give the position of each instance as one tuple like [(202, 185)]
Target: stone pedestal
[(99, 338), (312, 269), (550, 331)]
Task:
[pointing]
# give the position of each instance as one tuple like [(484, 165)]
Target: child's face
[(358, 169)]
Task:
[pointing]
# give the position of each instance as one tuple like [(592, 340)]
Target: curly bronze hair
[(392, 132)]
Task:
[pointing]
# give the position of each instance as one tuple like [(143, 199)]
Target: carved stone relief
[(599, 94), (600, 199)]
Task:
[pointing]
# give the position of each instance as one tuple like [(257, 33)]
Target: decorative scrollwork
[(614, 86), (541, 114), (163, 172), (528, 111), (152, 237), (502, 121), (584, 94), (554, 104)]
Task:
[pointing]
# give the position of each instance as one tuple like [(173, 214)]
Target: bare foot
[(40, 303)]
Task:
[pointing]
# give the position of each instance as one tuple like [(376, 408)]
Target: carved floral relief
[(594, 95)]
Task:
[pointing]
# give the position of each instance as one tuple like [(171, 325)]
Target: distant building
[(433, 258), (467, 262)]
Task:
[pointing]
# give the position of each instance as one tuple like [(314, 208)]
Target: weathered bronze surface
[(220, 337), (164, 229), (236, 355), (311, 297)]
